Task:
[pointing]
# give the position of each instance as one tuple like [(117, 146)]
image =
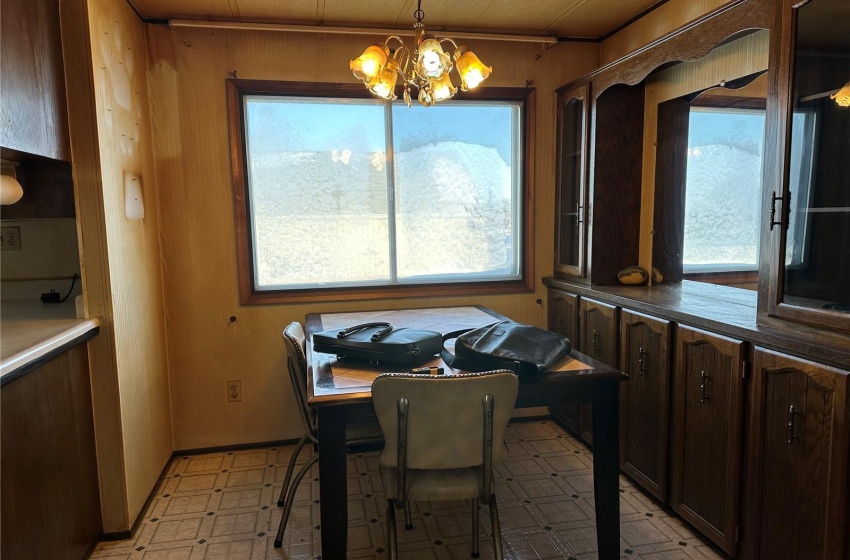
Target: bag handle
[(456, 362), (375, 337)]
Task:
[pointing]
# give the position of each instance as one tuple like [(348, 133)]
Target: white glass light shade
[(472, 71), (432, 60), (10, 190), (370, 63)]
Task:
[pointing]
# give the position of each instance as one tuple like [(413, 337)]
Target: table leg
[(606, 468), (333, 482)]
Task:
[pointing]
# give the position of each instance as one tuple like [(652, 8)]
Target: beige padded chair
[(442, 434), (363, 428)]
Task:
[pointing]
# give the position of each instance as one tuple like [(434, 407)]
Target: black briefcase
[(379, 343)]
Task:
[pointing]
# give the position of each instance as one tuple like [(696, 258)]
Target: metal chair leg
[(497, 529), (392, 544), (289, 469), (290, 497), (475, 527), (408, 521)]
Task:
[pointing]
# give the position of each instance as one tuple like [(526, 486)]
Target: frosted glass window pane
[(723, 189), (318, 192), (351, 192), (456, 191)]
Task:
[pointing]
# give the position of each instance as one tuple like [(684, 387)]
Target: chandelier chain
[(419, 14)]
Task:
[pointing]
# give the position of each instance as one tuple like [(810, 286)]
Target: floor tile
[(224, 506)]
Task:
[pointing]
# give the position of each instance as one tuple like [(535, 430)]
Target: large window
[(350, 196), (723, 189)]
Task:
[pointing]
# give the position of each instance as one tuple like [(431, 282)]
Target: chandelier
[(380, 66)]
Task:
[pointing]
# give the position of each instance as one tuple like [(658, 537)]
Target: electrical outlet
[(10, 238), (234, 391)]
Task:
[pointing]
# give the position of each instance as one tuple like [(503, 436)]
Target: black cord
[(73, 281)]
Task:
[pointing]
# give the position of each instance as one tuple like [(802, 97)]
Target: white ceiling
[(559, 18)]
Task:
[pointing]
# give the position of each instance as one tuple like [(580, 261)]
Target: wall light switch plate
[(10, 238)]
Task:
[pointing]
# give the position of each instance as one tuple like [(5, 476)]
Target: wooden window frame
[(238, 89)]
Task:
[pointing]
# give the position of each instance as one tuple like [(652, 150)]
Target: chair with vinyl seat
[(442, 434), (364, 429)]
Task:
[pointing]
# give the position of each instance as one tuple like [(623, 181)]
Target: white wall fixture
[(134, 204), (10, 189)]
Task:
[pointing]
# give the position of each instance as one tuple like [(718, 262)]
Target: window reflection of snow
[(723, 189)]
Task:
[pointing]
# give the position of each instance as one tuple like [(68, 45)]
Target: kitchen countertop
[(31, 332)]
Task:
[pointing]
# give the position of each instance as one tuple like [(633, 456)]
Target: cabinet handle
[(791, 415), (702, 379), (786, 207), (643, 357), (579, 218), (595, 342)]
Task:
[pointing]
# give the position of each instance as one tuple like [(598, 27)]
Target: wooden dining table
[(333, 384)]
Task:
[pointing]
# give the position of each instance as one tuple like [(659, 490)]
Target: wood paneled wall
[(111, 138), (188, 68), (657, 23)]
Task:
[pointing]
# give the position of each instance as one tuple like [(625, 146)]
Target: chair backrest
[(296, 362), (446, 418)]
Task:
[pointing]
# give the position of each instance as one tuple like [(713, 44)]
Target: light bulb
[(10, 190)]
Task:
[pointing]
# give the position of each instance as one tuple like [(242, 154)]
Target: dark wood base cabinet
[(644, 400), (707, 430), (598, 328), (563, 319), (50, 496), (798, 463)]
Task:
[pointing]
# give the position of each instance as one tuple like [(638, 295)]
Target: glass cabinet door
[(570, 226), (809, 211)]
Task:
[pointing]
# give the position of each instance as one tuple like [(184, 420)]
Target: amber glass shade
[(383, 84), (472, 71), (842, 96), (443, 88), (369, 64)]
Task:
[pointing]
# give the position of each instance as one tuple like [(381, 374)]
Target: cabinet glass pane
[(569, 224), (817, 242)]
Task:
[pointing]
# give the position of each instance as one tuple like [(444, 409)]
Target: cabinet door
[(798, 464), (707, 427), (563, 319), (598, 334), (806, 199), (644, 400), (571, 181), (34, 114)]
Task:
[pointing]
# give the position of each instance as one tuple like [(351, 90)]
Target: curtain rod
[(174, 23)]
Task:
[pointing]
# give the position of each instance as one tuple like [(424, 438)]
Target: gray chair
[(442, 434), (363, 428)]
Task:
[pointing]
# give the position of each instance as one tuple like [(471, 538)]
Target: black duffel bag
[(379, 343), (524, 349)]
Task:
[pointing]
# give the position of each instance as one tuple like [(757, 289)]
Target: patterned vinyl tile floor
[(220, 506)]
